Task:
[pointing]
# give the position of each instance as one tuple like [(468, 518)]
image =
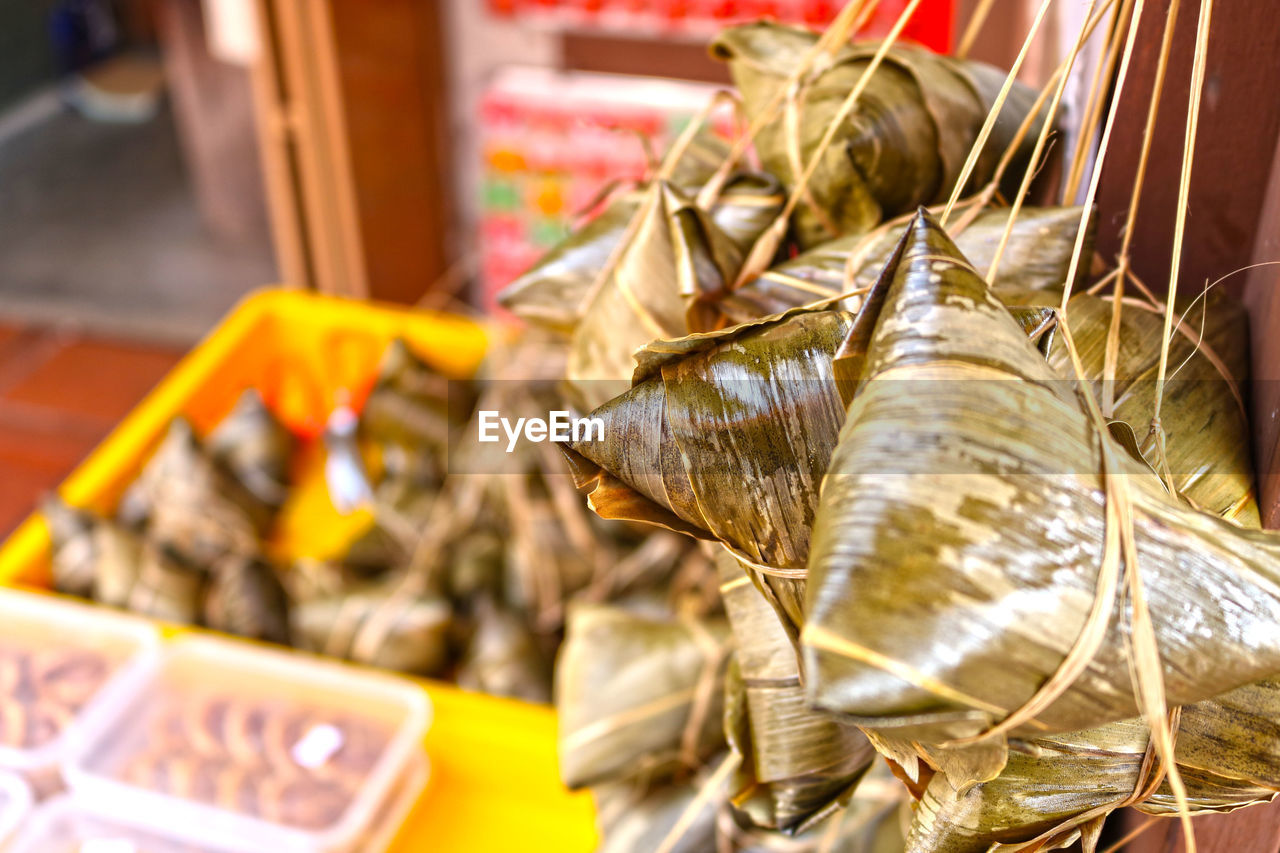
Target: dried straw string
[(1149, 688), (1154, 304), (829, 41), (1204, 347), (1112, 354), (706, 791), (1150, 775), (1145, 658), (766, 245), (649, 200), (973, 205), (1098, 89), (976, 203), (795, 98), (1063, 74), (1091, 194), (1179, 232), (974, 27), (993, 114), (1200, 345), (980, 199)]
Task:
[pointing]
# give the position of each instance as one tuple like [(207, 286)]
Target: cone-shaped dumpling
[(140, 576), (636, 818), (74, 561), (638, 696), (386, 624), (905, 142), (246, 598), (256, 448), (1227, 754), (728, 434), (1205, 423), (408, 404), (1227, 751), (870, 823), (550, 293), (798, 765), (960, 533), (675, 253), (1036, 259), (191, 504), (503, 657)]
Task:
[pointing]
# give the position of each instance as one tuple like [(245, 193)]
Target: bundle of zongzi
[(797, 765), (552, 292), (638, 696), (970, 472), (388, 624), (1036, 261), (905, 142)]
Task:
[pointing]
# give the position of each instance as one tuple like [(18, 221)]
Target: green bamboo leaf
[(903, 145), (639, 696), (944, 515)]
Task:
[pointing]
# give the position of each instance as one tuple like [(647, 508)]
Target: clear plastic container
[(60, 664), (249, 748), (64, 825), (61, 826), (15, 804)]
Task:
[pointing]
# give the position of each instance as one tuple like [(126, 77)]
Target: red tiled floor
[(23, 487), (97, 379), (22, 349), (59, 396), (41, 439)]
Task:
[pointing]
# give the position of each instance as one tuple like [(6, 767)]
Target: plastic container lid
[(61, 826), (248, 748), (60, 663), (64, 825), (15, 803)]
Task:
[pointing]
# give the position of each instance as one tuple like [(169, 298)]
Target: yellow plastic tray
[(494, 784)]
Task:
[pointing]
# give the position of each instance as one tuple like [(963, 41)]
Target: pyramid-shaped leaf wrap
[(960, 532)]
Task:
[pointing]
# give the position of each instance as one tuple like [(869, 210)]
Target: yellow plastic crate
[(494, 784)]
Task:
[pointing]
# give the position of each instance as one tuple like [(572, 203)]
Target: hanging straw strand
[(994, 113), (1063, 74), (832, 38), (1092, 194), (974, 27), (1098, 89), (1180, 225), (766, 246), (1112, 354)]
